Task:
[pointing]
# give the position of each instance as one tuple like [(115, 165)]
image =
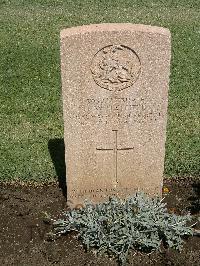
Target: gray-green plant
[(117, 225)]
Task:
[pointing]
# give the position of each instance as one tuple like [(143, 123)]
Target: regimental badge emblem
[(115, 67)]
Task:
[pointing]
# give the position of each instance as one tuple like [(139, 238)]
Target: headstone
[(115, 90)]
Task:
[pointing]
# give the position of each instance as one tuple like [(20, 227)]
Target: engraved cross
[(115, 150)]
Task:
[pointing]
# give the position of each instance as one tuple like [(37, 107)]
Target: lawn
[(30, 84)]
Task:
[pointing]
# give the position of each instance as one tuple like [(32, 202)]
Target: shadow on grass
[(57, 151)]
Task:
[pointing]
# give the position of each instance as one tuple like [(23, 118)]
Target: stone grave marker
[(115, 90)]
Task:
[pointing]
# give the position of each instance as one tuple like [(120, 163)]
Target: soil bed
[(23, 235)]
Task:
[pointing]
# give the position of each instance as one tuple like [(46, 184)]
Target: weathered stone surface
[(115, 85)]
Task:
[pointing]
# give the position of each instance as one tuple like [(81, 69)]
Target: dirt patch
[(23, 234)]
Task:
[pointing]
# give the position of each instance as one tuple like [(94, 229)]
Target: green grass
[(30, 86)]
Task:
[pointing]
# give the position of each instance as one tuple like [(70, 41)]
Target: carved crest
[(115, 67)]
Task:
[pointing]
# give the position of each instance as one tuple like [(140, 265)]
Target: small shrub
[(117, 225)]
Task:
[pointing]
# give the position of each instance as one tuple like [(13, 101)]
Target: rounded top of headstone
[(114, 27)]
